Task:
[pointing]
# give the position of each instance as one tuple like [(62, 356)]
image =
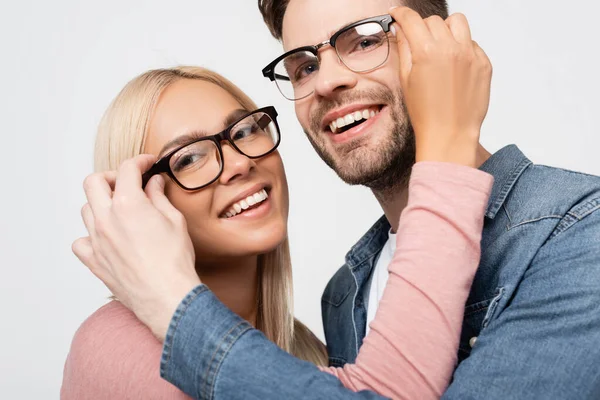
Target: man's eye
[(368, 43), (305, 70)]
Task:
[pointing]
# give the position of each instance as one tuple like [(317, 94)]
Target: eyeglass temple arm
[(156, 168), (272, 75), (146, 177), (281, 77)]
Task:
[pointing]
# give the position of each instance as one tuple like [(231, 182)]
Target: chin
[(264, 240), (250, 241)]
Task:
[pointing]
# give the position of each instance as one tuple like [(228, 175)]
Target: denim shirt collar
[(506, 166), (369, 245)]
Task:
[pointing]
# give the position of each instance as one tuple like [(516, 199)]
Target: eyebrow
[(196, 134), (329, 35)]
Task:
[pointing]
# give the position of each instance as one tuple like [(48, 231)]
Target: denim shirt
[(532, 321)]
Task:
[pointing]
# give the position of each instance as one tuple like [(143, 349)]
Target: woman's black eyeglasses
[(199, 163)]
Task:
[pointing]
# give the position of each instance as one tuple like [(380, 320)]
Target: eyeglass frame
[(163, 165), (385, 21)]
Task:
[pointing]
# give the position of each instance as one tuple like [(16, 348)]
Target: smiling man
[(532, 320)]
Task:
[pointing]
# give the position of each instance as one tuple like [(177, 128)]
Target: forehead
[(307, 22), (187, 105)]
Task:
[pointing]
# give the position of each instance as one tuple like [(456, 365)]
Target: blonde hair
[(122, 134)]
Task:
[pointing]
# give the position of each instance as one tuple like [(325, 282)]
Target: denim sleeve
[(546, 343), (211, 353)]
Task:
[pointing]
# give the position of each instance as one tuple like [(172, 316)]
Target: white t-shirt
[(380, 277)]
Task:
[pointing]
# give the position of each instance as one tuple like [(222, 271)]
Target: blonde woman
[(218, 151)]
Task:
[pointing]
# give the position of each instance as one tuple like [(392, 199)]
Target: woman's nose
[(235, 164)]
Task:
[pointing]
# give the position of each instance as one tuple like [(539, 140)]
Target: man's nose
[(333, 75)]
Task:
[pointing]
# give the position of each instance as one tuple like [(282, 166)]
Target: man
[(532, 322), (536, 282)]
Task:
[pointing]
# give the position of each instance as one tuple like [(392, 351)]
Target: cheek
[(193, 205), (196, 208), (303, 108), (284, 194), (389, 74), (273, 169)]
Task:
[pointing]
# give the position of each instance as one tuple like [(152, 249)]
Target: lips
[(341, 120), (249, 202), (247, 199)]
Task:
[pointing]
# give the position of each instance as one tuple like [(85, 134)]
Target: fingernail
[(393, 30), (394, 7)]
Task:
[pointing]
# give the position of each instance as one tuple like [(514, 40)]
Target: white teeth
[(351, 118), (246, 203)]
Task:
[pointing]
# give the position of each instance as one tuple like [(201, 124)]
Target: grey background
[(63, 61)]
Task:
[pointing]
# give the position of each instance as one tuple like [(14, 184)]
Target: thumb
[(405, 54), (155, 190)]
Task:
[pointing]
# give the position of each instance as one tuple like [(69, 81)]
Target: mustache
[(378, 96)]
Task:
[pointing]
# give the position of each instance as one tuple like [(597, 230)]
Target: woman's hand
[(139, 245), (446, 80)]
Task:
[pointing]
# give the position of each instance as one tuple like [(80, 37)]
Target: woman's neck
[(235, 283)]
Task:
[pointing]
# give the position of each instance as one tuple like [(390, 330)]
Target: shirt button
[(473, 341)]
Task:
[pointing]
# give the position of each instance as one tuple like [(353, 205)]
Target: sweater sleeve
[(411, 349), (114, 356)]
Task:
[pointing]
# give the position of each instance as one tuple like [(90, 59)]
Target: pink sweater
[(410, 351)]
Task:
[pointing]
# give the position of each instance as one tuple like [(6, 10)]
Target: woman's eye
[(188, 160), (244, 131)]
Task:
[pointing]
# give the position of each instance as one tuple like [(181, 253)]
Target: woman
[(232, 191)]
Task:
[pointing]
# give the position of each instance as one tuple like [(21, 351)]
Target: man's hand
[(139, 245), (446, 80)]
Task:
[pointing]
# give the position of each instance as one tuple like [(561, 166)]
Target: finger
[(481, 54), (404, 53), (459, 26), (98, 191), (438, 28), (111, 179), (82, 248), (129, 176), (413, 26), (88, 219), (155, 190)]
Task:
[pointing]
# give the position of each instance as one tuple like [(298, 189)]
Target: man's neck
[(235, 284), (394, 200)]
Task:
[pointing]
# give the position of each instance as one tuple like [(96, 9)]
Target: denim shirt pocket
[(337, 308), (340, 332), (477, 317)]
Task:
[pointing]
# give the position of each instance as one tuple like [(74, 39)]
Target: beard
[(382, 168)]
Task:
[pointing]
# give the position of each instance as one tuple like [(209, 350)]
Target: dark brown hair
[(274, 10)]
